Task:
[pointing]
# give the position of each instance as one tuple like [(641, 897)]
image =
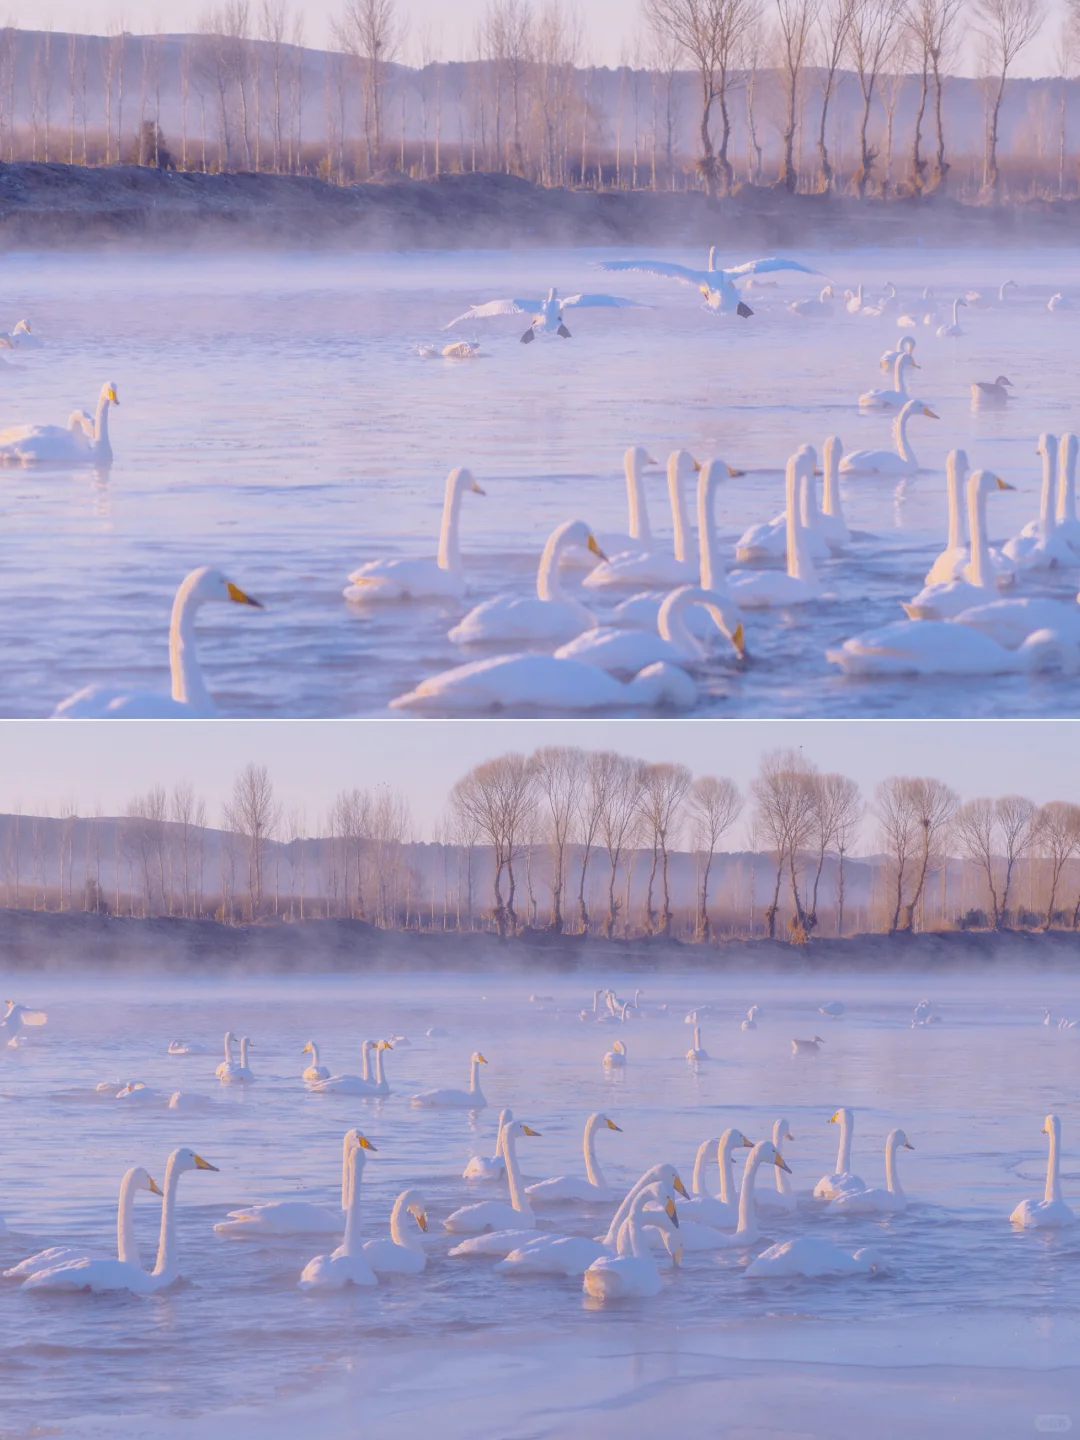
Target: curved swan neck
[(980, 549), (592, 1165), (900, 367), (671, 621), (188, 686), (783, 1179), (799, 564), (632, 1227), (956, 312), (518, 1198), (165, 1268), (1053, 1163), (351, 1243), (1066, 493), (505, 1116), (903, 445), (711, 570), (831, 499), (637, 509), (401, 1232), (127, 1248), (697, 1185), (474, 1077), (747, 1219), (679, 464), (843, 1155), (954, 472), (548, 586), (457, 482), (365, 1053), (1047, 446), (723, 1156), (892, 1179), (623, 1211)]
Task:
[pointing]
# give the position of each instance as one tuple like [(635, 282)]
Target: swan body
[(1051, 1212), (990, 394), (940, 647), (186, 1100), (450, 1099), (615, 1059), (546, 683), (239, 1073), (901, 461), (977, 581), (898, 396), (294, 1217), (841, 1180), (706, 1209), (833, 1008), (625, 652), (632, 1271), (490, 1167), (799, 584), (190, 698), (696, 1051), (651, 565), (823, 305), (1010, 622), (550, 616), (127, 1247), (314, 1071), (105, 1275), (813, 1258), (184, 1047), (1039, 546), (496, 1215), (552, 1255), (954, 328), (23, 338), (59, 444), (403, 1253), (807, 1047), (347, 1265), (884, 304), (1059, 301), (782, 1200), (875, 1201), (747, 1231), (423, 577), (228, 1063), (15, 1019), (593, 1188), (364, 1084), (546, 315), (719, 287)]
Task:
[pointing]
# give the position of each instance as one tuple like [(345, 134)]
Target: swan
[(977, 581), (100, 1275), (639, 531), (782, 1199), (228, 1063), (901, 461), (841, 1180), (853, 300), (650, 565), (486, 1216), (402, 1254), (1039, 546), (185, 1100), (949, 331), (954, 560), (823, 305), (548, 616), (833, 1008), (624, 652), (295, 1217), (663, 1174), (190, 698), (347, 1265), (493, 1167), (61, 445), (761, 589), (546, 683), (450, 1099), (875, 1201), (696, 1051), (813, 1258), (1059, 301), (1050, 1212), (615, 1059), (185, 1047), (806, 1047), (1011, 622), (884, 304), (127, 1247), (15, 1019), (546, 315), (830, 522), (905, 346), (382, 1085), (898, 396), (240, 1074), (422, 577), (708, 1209), (719, 287), (766, 541), (632, 1271), (23, 338), (1065, 522), (980, 301), (552, 1255), (363, 1084), (990, 394), (941, 647), (314, 1071), (750, 1021), (747, 1231), (923, 311), (137, 1093), (594, 1188)]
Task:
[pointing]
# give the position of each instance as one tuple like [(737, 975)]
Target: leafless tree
[(837, 806), (795, 24), (253, 814), (870, 35), (912, 814), (500, 797), (714, 806), (560, 778), (371, 30), (619, 785), (663, 790), (1007, 27), (588, 816), (833, 28), (784, 808), (188, 816), (1056, 835)]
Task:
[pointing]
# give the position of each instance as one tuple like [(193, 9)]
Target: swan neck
[(365, 1051), (548, 586), (449, 546), (188, 686), (351, 1244), (956, 508), (980, 549), (697, 1185), (677, 496), (1066, 494), (518, 1199), (635, 499), (101, 424), (346, 1170), (783, 1179), (899, 372), (379, 1077), (592, 1165), (1053, 1168), (474, 1077), (127, 1249), (727, 1182), (711, 570), (892, 1179), (800, 566), (747, 1221), (903, 445), (831, 497), (165, 1268), (637, 1244), (1046, 508), (843, 1156)]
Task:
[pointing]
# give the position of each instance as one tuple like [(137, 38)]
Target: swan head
[(1002, 380), (907, 344), (108, 392), (185, 1159), (925, 410), (417, 1207), (900, 1140), (477, 1059), (1051, 1125), (606, 1120), (309, 1048), (361, 1142), (636, 458), (384, 1045), (463, 479), (517, 1128), (144, 1181), (768, 1154), (207, 584), (842, 1117), (576, 532)]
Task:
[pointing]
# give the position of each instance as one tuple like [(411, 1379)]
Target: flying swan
[(547, 315), (719, 287)]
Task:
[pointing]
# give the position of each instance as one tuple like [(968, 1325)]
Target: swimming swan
[(314, 1071), (896, 397), (422, 577), (546, 683), (293, 1217), (905, 346), (875, 1201), (841, 1180), (708, 1209), (812, 1257), (620, 651), (1040, 546), (977, 581), (402, 1254), (127, 1247), (363, 1084), (831, 524), (490, 1167), (823, 305), (61, 445), (450, 1099), (547, 315), (238, 1073), (1050, 1212), (615, 1059), (747, 1231), (228, 1063), (717, 286), (782, 1199), (347, 1265), (942, 647), (761, 589), (697, 1051), (594, 1188), (550, 616), (633, 1270), (190, 698), (949, 331), (1065, 522), (496, 1216), (100, 1275), (651, 565), (901, 461)]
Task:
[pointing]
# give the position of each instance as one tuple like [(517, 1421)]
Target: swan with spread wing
[(719, 287), (546, 315)]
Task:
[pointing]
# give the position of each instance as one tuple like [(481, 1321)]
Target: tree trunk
[(774, 904), (941, 168), (703, 910), (918, 164)]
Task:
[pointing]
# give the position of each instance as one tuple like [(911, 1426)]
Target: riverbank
[(75, 941), (66, 206)]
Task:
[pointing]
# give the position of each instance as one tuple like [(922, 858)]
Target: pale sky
[(610, 27), (103, 764)]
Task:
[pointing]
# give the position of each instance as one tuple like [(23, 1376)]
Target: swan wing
[(497, 307), (101, 702), (662, 268), (763, 267), (613, 302)]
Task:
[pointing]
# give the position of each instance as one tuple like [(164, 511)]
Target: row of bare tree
[(234, 95), (570, 840)]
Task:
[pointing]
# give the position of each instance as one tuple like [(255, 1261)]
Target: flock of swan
[(647, 1229)]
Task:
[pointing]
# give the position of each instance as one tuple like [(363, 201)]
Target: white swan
[(949, 331), (239, 1073), (812, 1257), (15, 1019), (490, 1167), (347, 1265), (765, 542), (99, 1275), (750, 1020), (842, 1179), (542, 682), (697, 1050), (1065, 522), (190, 698), (897, 396), (652, 565), (58, 444), (761, 589), (978, 580), (884, 304), (450, 1099), (638, 535), (487, 1219), (127, 1247), (382, 1084), (594, 1188), (546, 315), (1039, 546), (806, 1047), (620, 651), (615, 1059), (781, 1200), (875, 1201), (1051, 1212), (831, 524), (833, 1008), (228, 1063), (402, 1254), (708, 1209), (901, 461), (185, 1047), (823, 305), (1011, 622), (295, 1217), (422, 577), (942, 647), (549, 616), (633, 1270), (552, 1255), (853, 300), (990, 394), (23, 338), (314, 1071), (905, 346), (981, 301), (363, 1084), (717, 286), (747, 1231), (1059, 301)]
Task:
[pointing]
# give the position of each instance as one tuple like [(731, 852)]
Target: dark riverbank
[(66, 206), (74, 942)]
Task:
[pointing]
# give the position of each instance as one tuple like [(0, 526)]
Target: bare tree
[(1006, 27), (560, 773), (1016, 820), (714, 806), (499, 797), (871, 35), (253, 813), (371, 31), (664, 788), (784, 809), (795, 22), (619, 784), (837, 806), (1056, 835), (976, 829), (833, 27)]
